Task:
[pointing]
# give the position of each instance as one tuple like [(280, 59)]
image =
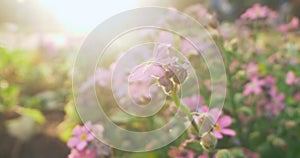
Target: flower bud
[(166, 83), (223, 154), (208, 142), (180, 73)]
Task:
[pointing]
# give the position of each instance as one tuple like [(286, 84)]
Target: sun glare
[(83, 16)]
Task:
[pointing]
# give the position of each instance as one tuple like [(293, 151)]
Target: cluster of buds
[(162, 69), (174, 75)]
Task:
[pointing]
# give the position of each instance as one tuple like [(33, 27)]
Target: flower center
[(83, 137), (217, 127)]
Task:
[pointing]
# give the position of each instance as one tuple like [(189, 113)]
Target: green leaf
[(36, 115)]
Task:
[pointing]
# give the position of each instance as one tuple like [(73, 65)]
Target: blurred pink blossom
[(234, 65), (175, 152), (140, 91), (221, 129), (252, 70), (250, 154), (153, 68), (198, 9), (203, 156), (290, 78), (166, 37), (297, 97), (145, 72), (283, 28), (270, 81), (276, 103), (81, 137), (102, 78), (82, 154), (253, 87), (193, 102), (293, 25), (258, 12), (295, 22)]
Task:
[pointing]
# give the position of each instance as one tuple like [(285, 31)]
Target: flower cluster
[(84, 144), (272, 100), (258, 12), (163, 69)]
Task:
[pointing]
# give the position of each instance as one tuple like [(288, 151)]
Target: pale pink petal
[(89, 137), (81, 145), (225, 121), (73, 142), (156, 70), (166, 37), (203, 156), (290, 78), (138, 73), (229, 132), (247, 90), (77, 130), (218, 134), (257, 90), (88, 125), (283, 28), (295, 22)]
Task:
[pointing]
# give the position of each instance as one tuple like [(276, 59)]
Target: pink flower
[(102, 78), (293, 25), (275, 104), (198, 9), (140, 92), (153, 68), (81, 137), (82, 154), (234, 65), (294, 22), (179, 153), (145, 72), (254, 87), (252, 70), (250, 154), (193, 102), (270, 81), (297, 97), (166, 37), (257, 12), (203, 156), (290, 78), (283, 28), (187, 48), (221, 129)]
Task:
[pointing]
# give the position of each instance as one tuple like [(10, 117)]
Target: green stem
[(183, 108)]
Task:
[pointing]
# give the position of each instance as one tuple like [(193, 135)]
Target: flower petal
[(139, 73), (89, 137), (229, 132), (73, 142), (225, 121), (77, 130), (81, 145), (218, 134)]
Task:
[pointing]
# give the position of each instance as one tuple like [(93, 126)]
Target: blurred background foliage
[(37, 50)]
